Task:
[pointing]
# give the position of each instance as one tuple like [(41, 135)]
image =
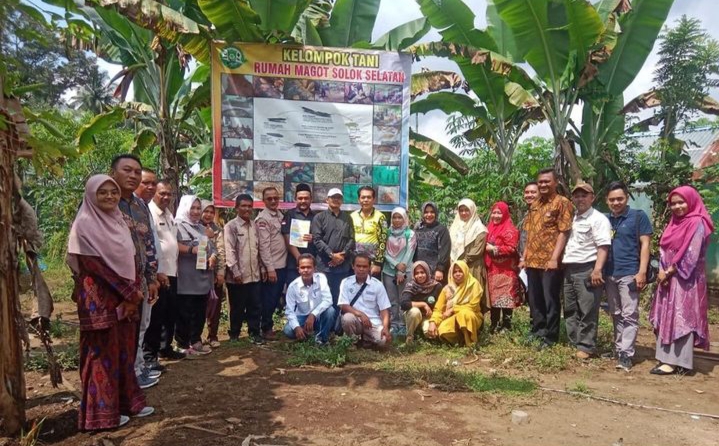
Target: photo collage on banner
[(328, 117)]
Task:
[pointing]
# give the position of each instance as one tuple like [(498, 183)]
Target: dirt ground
[(249, 396)]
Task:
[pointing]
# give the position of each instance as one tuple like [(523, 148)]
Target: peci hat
[(334, 191), (586, 187)]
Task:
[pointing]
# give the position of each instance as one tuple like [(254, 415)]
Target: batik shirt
[(137, 216)]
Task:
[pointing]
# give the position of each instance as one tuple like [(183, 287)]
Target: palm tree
[(96, 96)]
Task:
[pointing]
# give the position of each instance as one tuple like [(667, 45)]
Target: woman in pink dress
[(679, 309)]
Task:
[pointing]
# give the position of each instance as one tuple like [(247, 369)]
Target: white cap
[(334, 191)]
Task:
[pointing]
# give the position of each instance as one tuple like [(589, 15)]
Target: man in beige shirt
[(243, 271), (273, 253)]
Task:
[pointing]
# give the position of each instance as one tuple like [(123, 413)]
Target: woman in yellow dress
[(456, 318)]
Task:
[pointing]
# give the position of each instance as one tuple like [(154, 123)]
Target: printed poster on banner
[(329, 117)]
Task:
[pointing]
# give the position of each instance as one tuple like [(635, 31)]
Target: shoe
[(235, 340), (191, 353), (257, 340), (124, 419), (155, 366), (145, 382), (580, 354), (215, 343), (659, 370), (145, 412), (201, 349), (321, 343), (151, 374), (268, 335), (172, 355), (609, 355), (624, 362)]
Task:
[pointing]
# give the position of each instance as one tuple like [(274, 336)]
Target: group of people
[(147, 281)]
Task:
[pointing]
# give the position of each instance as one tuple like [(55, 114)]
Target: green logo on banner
[(232, 57)]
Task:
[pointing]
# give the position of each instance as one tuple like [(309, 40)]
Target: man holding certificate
[(296, 229)]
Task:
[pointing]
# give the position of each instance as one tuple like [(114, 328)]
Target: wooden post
[(12, 379)]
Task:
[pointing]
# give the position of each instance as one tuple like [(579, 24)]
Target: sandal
[(658, 370)]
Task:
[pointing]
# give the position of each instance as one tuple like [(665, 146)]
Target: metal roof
[(698, 140)]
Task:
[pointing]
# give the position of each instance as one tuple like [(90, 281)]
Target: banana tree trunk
[(570, 156), (12, 379)]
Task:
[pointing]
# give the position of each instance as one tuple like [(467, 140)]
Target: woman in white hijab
[(194, 278), (469, 235)]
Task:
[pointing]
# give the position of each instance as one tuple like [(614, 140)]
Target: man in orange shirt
[(548, 224)]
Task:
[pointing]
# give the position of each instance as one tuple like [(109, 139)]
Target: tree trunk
[(566, 149), (12, 379)]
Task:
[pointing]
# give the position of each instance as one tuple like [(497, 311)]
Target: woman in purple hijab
[(679, 309)]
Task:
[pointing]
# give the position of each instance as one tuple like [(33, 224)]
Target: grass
[(67, 357), (713, 316), (514, 350), (580, 387), (332, 355), (59, 280), (59, 329), (451, 378)]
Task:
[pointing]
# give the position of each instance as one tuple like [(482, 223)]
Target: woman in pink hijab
[(107, 291), (679, 309)]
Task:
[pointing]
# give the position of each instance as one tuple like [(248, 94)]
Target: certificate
[(298, 228)]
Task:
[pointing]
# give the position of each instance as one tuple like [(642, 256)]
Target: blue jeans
[(322, 327)]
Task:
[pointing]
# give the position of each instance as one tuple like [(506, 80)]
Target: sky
[(393, 13)]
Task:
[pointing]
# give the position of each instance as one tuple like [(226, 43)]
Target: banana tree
[(630, 32), (493, 119), (556, 38)]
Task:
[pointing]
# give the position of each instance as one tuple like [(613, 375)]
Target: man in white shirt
[(365, 305), (584, 257), (309, 304), (158, 338)]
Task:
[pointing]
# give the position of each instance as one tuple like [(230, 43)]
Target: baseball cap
[(334, 191), (586, 187)]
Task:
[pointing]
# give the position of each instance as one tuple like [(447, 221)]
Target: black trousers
[(271, 293), (245, 306), (161, 331), (543, 292), (190, 319)]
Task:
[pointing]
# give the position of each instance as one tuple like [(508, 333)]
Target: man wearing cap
[(370, 226), (548, 223), (273, 253), (302, 211), (584, 258), (334, 240)]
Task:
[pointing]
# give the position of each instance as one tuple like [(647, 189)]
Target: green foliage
[(331, 355), (67, 357), (485, 183), (33, 53), (450, 378), (580, 387), (688, 64), (56, 197)]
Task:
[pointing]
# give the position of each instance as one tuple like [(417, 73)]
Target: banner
[(329, 117)]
